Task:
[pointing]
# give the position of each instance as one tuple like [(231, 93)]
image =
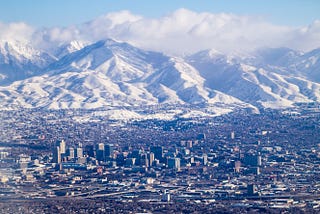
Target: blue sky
[(171, 26), (49, 13)]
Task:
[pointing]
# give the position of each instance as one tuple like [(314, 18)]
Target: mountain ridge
[(111, 73)]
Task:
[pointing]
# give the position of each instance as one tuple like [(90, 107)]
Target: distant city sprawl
[(71, 160)]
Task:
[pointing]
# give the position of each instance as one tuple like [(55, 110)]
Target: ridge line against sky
[(173, 28)]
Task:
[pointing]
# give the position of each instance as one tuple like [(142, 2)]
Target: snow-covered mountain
[(20, 60), (270, 78), (116, 74), (309, 65), (68, 48), (110, 73)]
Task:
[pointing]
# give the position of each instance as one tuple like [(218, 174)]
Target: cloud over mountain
[(17, 31), (182, 31)]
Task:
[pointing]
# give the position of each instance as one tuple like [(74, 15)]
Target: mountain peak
[(19, 50), (208, 54), (114, 73), (67, 48), (19, 60)]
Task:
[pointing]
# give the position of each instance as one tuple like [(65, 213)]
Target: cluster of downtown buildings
[(105, 155), (226, 169)]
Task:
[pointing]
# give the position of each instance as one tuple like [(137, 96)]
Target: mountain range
[(112, 74)]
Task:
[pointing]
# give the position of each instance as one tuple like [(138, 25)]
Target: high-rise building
[(136, 153), (174, 163), (129, 162), (120, 159), (89, 150), (158, 152), (79, 152), (150, 158), (100, 155), (108, 150), (144, 161), (70, 153), (56, 155), (62, 146), (100, 146)]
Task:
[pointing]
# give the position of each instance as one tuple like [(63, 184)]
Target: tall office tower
[(89, 150), (100, 155), (70, 153), (120, 159), (177, 163), (150, 158), (129, 162), (79, 152), (62, 146), (158, 152), (100, 146), (136, 153), (108, 150), (174, 163), (56, 155), (144, 161)]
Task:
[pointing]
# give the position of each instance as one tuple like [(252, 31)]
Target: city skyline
[(148, 107), (200, 164)]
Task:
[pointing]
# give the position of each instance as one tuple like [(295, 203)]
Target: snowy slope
[(118, 61), (114, 74), (20, 60), (110, 73), (68, 48), (259, 80)]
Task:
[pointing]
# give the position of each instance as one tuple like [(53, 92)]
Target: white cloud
[(306, 38), (53, 37), (185, 31), (15, 31), (182, 31)]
